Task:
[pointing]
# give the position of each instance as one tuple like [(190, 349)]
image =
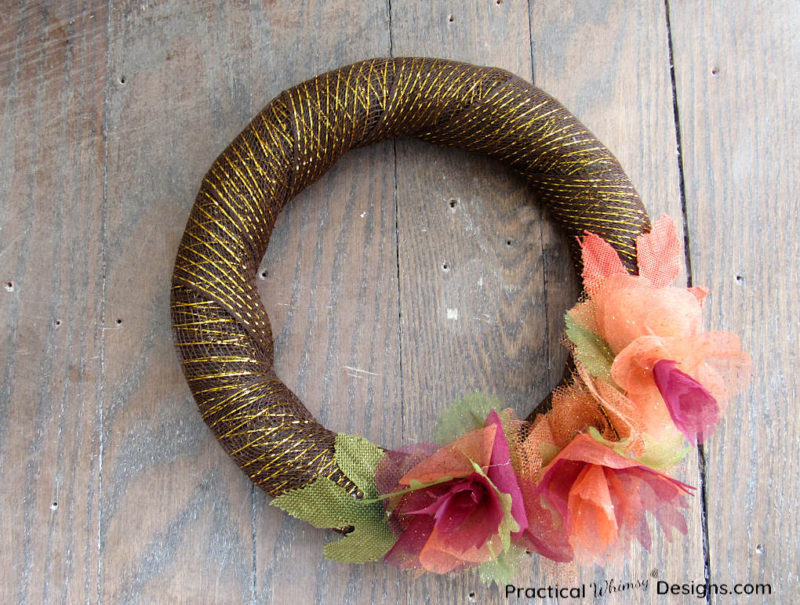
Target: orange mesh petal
[(584, 315), (586, 402), (529, 450), (592, 522), (575, 409), (699, 292), (455, 460), (623, 415), (715, 360), (438, 557), (632, 369), (632, 308)]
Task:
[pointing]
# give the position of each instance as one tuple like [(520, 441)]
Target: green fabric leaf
[(358, 457), (367, 542), (548, 451), (502, 570), (463, 416), (659, 455), (323, 504), (666, 453), (326, 505), (590, 349)]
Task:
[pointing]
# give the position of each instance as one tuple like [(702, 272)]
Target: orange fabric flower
[(644, 320), (713, 359), (585, 403), (601, 498), (623, 307)]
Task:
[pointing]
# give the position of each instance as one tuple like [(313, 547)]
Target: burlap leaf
[(463, 416), (590, 349), (358, 457), (502, 569), (369, 541), (323, 504)]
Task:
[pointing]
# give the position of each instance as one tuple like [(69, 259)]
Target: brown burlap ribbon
[(221, 329)]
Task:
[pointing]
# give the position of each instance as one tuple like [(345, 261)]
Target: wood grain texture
[(176, 514), (112, 113), (736, 76), (52, 75), (469, 243)]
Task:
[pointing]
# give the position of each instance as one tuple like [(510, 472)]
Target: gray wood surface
[(406, 277), (737, 77)]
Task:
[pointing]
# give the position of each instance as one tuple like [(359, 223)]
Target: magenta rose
[(456, 506)]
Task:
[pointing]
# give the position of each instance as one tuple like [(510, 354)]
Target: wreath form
[(221, 329)]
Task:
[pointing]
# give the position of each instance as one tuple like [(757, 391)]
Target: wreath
[(573, 481)]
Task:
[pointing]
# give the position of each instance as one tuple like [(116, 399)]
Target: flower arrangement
[(577, 482)]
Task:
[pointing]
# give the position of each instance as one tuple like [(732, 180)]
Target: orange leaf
[(660, 253), (600, 261)]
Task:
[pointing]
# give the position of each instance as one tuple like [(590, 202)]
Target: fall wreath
[(571, 482)]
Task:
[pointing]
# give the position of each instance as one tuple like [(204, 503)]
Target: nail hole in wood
[(714, 70), (453, 203), (509, 242), (450, 18), (119, 322), (122, 79), (54, 506), (760, 549), (58, 322), (445, 267), (263, 274), (10, 286), (739, 279)]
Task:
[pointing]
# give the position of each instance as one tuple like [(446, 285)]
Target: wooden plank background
[(406, 277)]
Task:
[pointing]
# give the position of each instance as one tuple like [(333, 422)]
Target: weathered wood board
[(405, 278)]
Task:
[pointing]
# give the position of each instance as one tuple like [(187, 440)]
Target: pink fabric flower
[(458, 521), (692, 408), (601, 498)]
